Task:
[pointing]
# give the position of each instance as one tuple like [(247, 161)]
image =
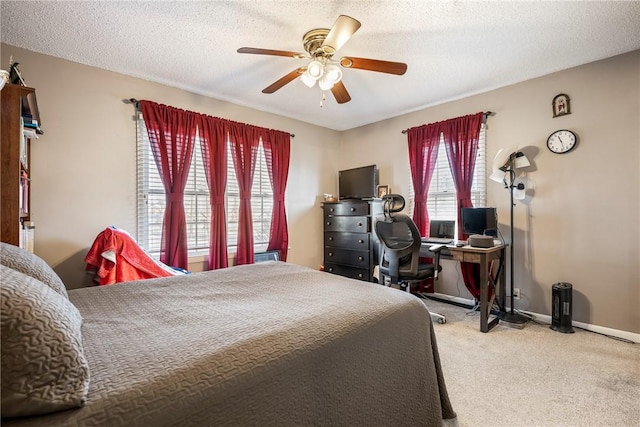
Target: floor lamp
[(504, 165)]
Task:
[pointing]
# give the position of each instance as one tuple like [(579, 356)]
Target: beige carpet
[(536, 376)]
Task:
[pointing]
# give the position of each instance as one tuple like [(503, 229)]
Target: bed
[(271, 343)]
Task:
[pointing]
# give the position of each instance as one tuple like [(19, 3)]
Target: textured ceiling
[(453, 49)]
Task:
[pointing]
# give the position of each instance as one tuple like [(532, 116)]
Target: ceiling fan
[(320, 45)]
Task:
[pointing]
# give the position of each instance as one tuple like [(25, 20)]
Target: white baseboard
[(451, 298), (544, 318), (625, 335)]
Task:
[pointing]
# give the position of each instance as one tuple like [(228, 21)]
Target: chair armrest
[(436, 248)]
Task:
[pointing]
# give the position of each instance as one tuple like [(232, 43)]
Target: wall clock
[(562, 141)]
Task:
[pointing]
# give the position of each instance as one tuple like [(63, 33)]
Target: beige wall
[(84, 170), (579, 225)]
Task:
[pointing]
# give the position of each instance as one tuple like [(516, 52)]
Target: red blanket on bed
[(116, 257)]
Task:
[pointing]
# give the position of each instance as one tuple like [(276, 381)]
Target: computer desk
[(486, 257)]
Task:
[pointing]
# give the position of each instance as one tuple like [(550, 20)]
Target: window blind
[(441, 199), (151, 200)]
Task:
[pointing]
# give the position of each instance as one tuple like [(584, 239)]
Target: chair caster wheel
[(442, 321)]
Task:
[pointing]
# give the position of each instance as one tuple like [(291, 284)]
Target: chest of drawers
[(349, 243)]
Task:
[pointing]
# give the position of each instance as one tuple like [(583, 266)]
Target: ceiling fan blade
[(284, 80), (398, 68), (340, 93), (342, 30), (259, 51)]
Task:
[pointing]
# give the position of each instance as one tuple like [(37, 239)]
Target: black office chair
[(400, 243)]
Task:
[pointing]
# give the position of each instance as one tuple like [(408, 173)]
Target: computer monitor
[(479, 221), (442, 229)]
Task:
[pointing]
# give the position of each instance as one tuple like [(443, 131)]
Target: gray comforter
[(260, 345)]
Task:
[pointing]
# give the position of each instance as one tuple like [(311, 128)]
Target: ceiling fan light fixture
[(325, 83), (307, 79), (333, 73), (320, 45), (315, 69)]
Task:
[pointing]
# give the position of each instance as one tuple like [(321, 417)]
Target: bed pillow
[(42, 360), (32, 265)]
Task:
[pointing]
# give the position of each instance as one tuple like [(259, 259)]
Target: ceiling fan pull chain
[(322, 100)]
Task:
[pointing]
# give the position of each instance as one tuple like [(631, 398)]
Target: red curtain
[(277, 151), (172, 136), (213, 143), (244, 140), (461, 136), (423, 153)]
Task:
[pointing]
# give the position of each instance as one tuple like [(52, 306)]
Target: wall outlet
[(516, 293)]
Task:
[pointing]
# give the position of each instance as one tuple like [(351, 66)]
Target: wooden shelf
[(15, 101)]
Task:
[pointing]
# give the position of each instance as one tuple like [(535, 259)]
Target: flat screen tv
[(358, 183), (479, 221)]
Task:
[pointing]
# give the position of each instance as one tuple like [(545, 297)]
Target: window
[(261, 201), (441, 200), (151, 200)]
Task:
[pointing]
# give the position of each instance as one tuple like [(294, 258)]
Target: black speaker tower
[(562, 308)]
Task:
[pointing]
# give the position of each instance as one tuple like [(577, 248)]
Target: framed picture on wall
[(561, 105), (383, 190)]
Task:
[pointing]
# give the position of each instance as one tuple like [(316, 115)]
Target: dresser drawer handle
[(330, 269), (330, 254), (360, 241), (328, 222), (330, 238), (360, 275), (353, 209), (331, 210), (359, 224), (360, 258)]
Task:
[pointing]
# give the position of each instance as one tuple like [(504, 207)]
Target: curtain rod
[(485, 114), (136, 104)]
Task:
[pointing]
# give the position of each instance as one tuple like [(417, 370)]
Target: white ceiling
[(453, 49)]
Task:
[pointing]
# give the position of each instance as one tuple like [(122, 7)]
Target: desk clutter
[(491, 283)]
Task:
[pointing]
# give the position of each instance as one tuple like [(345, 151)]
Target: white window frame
[(441, 197), (150, 190)]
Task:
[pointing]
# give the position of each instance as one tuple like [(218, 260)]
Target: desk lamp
[(505, 163)]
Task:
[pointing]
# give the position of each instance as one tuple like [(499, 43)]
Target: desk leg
[(485, 306), (484, 282)]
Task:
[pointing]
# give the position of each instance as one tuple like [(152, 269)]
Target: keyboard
[(437, 240)]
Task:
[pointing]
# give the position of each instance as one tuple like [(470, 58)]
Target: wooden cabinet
[(19, 105), (349, 242)]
